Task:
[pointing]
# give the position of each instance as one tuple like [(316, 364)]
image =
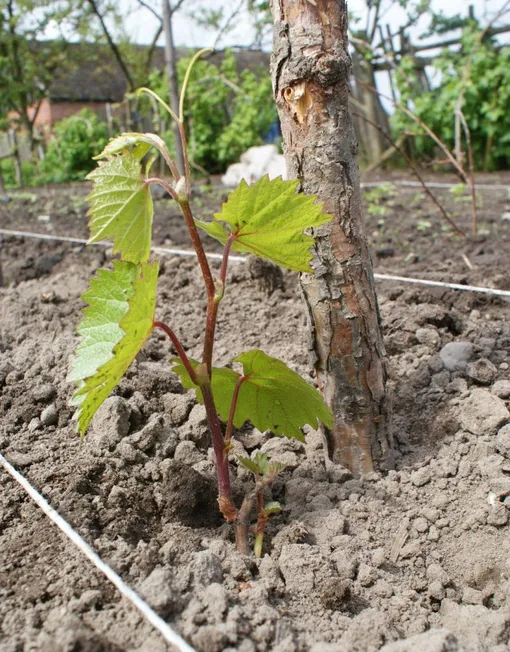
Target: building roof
[(93, 74)]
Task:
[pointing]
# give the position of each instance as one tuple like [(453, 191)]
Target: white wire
[(242, 259), (440, 284), (158, 623), (431, 184), (82, 241)]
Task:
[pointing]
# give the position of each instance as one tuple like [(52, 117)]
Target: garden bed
[(350, 564)]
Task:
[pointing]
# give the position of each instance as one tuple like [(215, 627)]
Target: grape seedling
[(267, 219)]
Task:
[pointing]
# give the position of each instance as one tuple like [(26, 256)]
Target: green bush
[(74, 142), (485, 105), (226, 112), (31, 176)]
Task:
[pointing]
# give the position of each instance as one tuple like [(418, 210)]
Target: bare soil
[(413, 559)]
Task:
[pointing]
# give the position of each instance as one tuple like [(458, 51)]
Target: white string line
[(158, 623), (243, 259), (432, 184), (440, 284), (82, 241)]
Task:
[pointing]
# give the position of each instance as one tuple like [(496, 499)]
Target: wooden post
[(311, 75)]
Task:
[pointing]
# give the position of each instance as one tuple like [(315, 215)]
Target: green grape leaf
[(274, 468), (223, 383), (268, 219), (121, 207), (108, 296), (272, 396), (116, 324), (141, 144), (249, 464)]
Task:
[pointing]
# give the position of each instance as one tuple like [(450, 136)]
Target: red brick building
[(95, 81)]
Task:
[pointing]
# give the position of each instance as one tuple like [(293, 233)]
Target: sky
[(141, 25)]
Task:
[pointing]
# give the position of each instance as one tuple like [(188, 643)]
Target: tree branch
[(113, 46)]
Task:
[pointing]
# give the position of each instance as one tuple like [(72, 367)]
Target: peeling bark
[(310, 71)]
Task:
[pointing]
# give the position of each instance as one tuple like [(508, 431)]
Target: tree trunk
[(173, 84), (310, 72)]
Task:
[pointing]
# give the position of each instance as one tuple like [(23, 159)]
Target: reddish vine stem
[(212, 308), (156, 181), (178, 347), (233, 405), (197, 244), (227, 507), (171, 164), (226, 253)]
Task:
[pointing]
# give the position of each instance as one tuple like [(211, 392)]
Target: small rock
[(482, 413), (178, 407), (456, 355), (296, 490), (420, 524), (420, 477), (433, 534), (441, 379), (378, 557), (334, 594), (503, 440), (410, 550), (482, 371), (111, 423), (500, 486), (206, 568), (287, 458), (44, 393), (345, 564), (435, 364), (458, 386), (366, 575), (215, 599), (501, 389), (498, 515), (428, 336), (157, 590), (435, 640), (367, 632), (436, 590), (324, 525), (436, 573), (430, 514), (187, 453), (49, 416), (471, 596), (35, 424), (210, 638), (304, 568), (128, 453), (145, 439), (195, 428), (117, 497)]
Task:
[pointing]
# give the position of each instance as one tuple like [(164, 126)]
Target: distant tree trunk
[(310, 72), (371, 141), (113, 47), (173, 83)]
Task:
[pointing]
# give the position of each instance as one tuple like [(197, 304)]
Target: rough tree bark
[(310, 71)]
